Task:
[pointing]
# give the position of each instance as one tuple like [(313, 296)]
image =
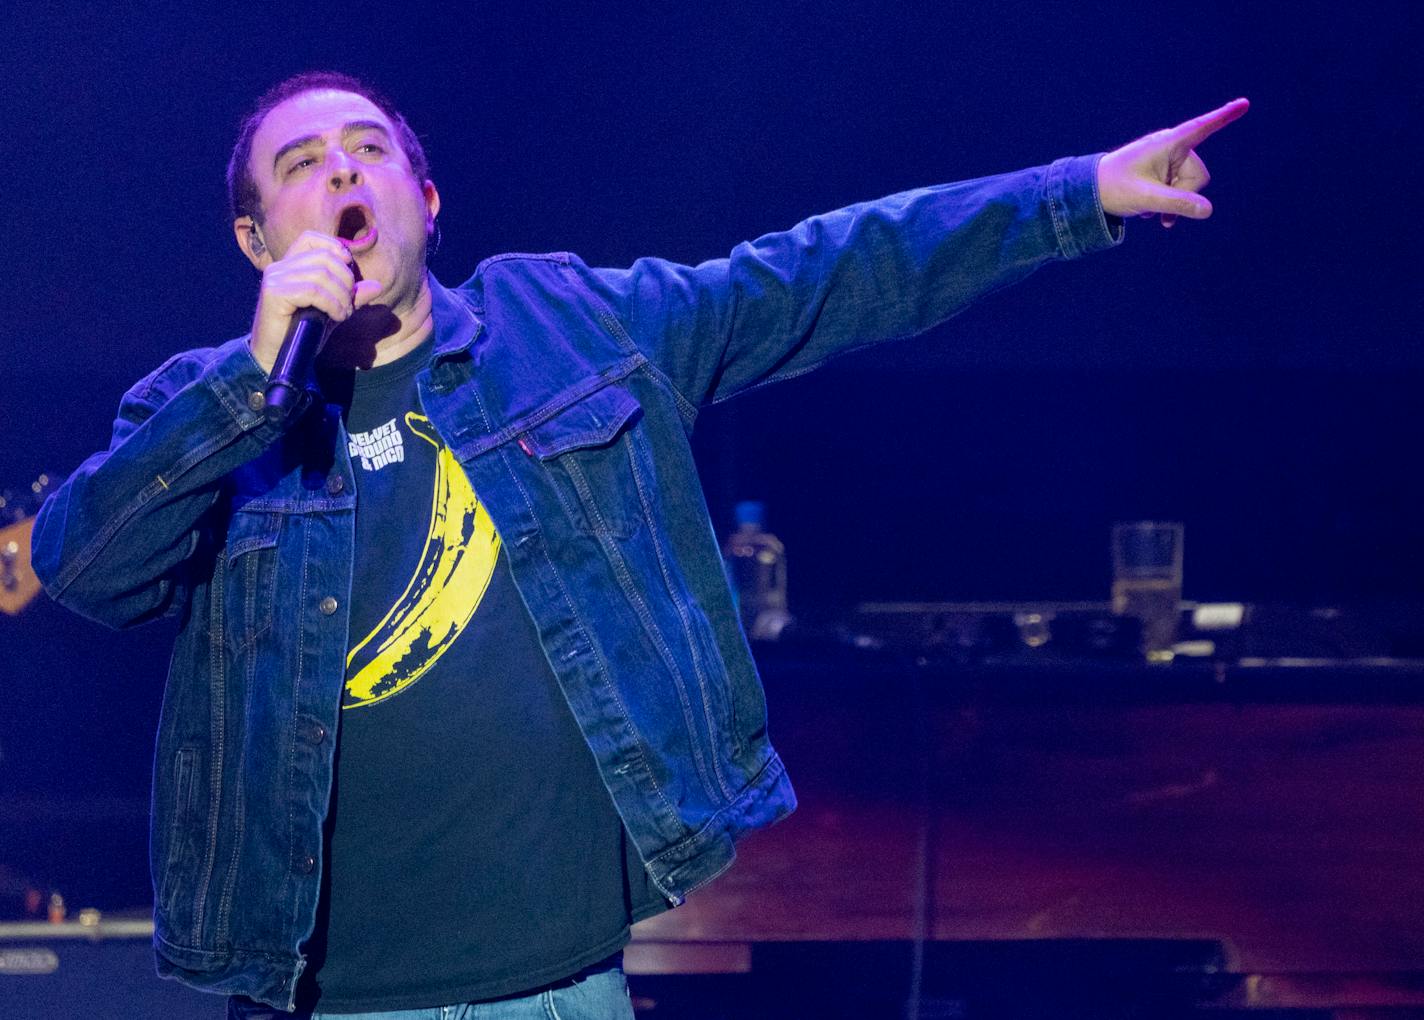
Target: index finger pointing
[(1191, 133)]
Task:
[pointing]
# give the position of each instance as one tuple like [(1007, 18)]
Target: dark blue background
[(1254, 376)]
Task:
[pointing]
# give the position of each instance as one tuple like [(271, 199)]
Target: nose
[(344, 175)]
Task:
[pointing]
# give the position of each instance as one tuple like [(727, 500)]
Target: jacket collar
[(456, 324)]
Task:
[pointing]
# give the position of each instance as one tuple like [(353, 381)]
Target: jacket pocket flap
[(593, 421), (250, 531)]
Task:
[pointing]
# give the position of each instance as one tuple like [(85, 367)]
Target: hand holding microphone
[(305, 293)]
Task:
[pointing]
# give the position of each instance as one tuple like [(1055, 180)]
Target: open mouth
[(357, 227)]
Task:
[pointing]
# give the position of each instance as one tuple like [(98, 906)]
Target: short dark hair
[(242, 195)]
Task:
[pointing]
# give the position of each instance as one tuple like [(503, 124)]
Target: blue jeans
[(599, 992)]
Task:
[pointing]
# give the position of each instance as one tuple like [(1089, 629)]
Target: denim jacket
[(568, 394)]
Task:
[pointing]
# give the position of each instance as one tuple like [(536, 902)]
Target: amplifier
[(100, 971), (1000, 631)]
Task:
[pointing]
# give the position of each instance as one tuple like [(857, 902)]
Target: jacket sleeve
[(784, 303), (111, 542)]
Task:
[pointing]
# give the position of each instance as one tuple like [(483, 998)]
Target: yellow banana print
[(461, 547)]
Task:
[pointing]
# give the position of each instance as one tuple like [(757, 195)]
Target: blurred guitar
[(18, 583)]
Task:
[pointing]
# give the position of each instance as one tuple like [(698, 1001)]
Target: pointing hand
[(1161, 172)]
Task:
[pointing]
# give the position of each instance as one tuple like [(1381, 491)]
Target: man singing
[(459, 691)]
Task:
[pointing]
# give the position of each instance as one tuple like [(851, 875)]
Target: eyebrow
[(350, 127)]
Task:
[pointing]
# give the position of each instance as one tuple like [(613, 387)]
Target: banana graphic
[(461, 547)]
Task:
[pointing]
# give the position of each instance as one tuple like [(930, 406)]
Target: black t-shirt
[(472, 851)]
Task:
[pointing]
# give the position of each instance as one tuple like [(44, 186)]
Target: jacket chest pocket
[(251, 576), (591, 458)]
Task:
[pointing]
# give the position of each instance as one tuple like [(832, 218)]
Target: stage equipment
[(94, 968)]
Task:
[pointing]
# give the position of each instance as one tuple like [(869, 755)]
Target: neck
[(379, 334)]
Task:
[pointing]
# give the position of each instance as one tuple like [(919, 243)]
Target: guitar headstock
[(18, 584)]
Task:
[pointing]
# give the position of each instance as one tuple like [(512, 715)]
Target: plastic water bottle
[(756, 566)]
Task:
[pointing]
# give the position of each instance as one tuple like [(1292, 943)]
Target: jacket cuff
[(1078, 218), (240, 385)]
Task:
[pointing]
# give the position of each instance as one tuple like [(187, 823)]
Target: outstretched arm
[(782, 304)]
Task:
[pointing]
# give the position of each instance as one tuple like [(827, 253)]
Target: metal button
[(334, 484), (327, 605), (307, 864), (316, 733), (256, 400)]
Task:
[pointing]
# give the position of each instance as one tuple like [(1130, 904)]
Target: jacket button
[(334, 484), (307, 864), (327, 606), (256, 400), (316, 733)]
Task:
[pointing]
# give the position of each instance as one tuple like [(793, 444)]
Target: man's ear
[(249, 239), (432, 204)]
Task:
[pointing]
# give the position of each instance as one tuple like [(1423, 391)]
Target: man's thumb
[(366, 292)]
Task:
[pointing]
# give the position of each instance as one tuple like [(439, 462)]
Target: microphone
[(286, 386)]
